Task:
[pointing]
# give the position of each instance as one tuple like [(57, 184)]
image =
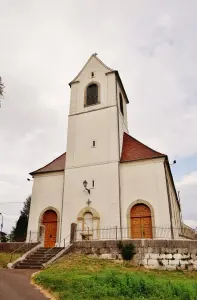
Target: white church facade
[(106, 178)]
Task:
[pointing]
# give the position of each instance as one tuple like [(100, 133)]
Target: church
[(107, 183)]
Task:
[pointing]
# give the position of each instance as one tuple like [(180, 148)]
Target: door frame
[(140, 201), (40, 225)]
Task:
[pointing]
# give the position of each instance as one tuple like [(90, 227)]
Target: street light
[(28, 179), (85, 184), (173, 163)]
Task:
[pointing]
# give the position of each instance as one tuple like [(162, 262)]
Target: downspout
[(61, 217), (169, 201), (119, 190)]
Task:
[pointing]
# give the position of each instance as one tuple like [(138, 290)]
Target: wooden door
[(50, 222), (141, 224)]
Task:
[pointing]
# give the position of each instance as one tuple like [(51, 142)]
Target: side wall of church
[(46, 193), (176, 220), (123, 125), (145, 182)]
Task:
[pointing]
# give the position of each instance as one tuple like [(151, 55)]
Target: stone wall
[(10, 247), (152, 254)]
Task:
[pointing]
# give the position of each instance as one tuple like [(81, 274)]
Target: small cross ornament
[(89, 202)]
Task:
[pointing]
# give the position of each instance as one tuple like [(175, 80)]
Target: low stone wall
[(153, 254), (10, 247)]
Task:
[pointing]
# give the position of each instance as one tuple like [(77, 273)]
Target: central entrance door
[(141, 223), (50, 222)]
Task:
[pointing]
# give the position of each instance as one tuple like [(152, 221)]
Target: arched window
[(121, 104), (91, 94)]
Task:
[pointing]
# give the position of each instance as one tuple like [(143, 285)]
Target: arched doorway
[(141, 223), (49, 220)]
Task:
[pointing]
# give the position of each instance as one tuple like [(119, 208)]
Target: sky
[(43, 46)]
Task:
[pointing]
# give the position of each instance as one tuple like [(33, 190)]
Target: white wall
[(123, 124), (104, 197), (145, 180), (100, 126), (83, 162), (176, 221), (47, 191), (97, 122), (107, 86)]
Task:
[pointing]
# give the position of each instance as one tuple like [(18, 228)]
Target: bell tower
[(96, 122)]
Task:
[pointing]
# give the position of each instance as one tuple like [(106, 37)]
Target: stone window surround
[(95, 217)]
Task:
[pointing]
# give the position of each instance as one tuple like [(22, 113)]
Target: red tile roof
[(133, 150), (56, 165)]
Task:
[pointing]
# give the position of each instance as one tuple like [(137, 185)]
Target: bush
[(127, 251)]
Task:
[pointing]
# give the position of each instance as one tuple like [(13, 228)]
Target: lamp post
[(173, 163), (1, 226), (28, 179)]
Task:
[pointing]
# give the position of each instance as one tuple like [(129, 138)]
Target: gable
[(133, 150), (93, 63)]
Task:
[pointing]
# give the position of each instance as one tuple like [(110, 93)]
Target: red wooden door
[(50, 222), (141, 224)]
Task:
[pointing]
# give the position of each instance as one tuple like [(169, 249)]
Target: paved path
[(15, 285)]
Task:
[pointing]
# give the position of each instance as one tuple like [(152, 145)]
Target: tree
[(19, 232), (1, 87)]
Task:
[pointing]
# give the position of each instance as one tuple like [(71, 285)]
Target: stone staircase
[(38, 258)]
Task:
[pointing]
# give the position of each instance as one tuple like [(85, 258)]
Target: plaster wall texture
[(145, 181), (46, 193)]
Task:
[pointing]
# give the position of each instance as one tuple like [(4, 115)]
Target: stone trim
[(140, 201), (95, 217), (88, 209)]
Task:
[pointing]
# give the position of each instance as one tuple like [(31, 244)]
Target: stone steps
[(38, 258)]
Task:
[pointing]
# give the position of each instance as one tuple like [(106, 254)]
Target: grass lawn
[(79, 277), (5, 258)]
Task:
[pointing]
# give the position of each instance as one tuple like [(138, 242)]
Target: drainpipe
[(119, 190), (169, 201), (62, 206)]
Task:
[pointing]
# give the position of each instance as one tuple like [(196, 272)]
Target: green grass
[(79, 277), (5, 258)]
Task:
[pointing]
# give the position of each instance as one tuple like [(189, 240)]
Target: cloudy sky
[(45, 43)]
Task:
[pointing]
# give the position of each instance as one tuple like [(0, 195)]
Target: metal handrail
[(16, 250), (50, 249)]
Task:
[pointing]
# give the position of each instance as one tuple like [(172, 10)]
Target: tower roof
[(133, 150)]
